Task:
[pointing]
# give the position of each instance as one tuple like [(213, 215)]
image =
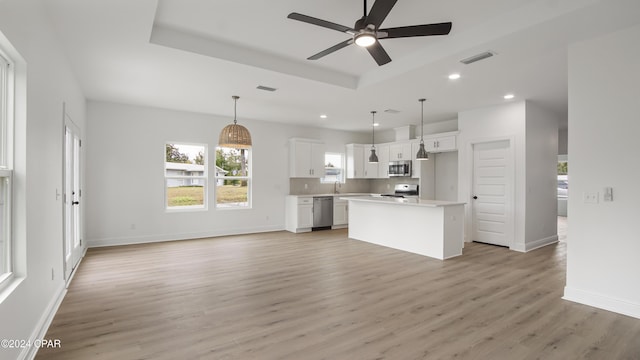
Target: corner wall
[(603, 245), (26, 311), (541, 227), (533, 136)]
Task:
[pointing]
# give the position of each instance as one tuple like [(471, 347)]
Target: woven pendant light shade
[(234, 135)]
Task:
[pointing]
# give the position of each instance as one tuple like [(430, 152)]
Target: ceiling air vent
[(478, 57), (265, 88), (392, 111)]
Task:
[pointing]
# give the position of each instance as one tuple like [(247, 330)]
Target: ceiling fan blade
[(379, 54), (328, 51), (379, 12), (320, 22), (416, 30)]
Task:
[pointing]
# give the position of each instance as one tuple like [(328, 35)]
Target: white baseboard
[(185, 236), (40, 331), (602, 302), (532, 245)]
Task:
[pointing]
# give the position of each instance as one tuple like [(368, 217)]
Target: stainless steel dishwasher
[(322, 212)]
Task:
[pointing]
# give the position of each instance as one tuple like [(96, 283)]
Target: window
[(563, 178), (333, 168), (233, 178), (185, 173), (6, 165)]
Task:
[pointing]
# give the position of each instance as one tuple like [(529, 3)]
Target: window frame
[(248, 179), (343, 177), (204, 177), (7, 118)]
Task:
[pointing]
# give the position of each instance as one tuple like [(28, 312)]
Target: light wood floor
[(322, 296)]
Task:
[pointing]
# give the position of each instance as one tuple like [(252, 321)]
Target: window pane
[(232, 162), (333, 168), (185, 192), (185, 175), (233, 178), (4, 231), (232, 193)]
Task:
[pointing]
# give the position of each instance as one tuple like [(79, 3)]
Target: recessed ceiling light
[(323, 116), (376, 124), (509, 96), (454, 76)]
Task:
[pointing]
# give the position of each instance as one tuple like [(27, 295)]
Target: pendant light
[(373, 158), (234, 135), (422, 153)]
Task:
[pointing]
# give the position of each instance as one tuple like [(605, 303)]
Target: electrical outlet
[(306, 186), (590, 197)]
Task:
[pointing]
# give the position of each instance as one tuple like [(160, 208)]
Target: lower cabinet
[(299, 213), (340, 213)]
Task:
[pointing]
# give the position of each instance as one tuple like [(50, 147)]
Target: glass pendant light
[(373, 158), (422, 153), (234, 135)]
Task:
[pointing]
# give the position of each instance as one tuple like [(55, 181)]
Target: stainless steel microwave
[(400, 168)]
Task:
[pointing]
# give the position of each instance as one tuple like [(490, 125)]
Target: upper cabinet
[(306, 158), (358, 165), (383, 160), (355, 161), (400, 151), (441, 142)]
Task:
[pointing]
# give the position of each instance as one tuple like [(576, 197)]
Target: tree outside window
[(233, 178)]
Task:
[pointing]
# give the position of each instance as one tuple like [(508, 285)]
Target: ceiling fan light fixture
[(365, 39)]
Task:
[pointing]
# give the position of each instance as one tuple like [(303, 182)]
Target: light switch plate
[(607, 194), (590, 197)]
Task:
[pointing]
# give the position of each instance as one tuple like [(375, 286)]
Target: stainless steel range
[(404, 191)]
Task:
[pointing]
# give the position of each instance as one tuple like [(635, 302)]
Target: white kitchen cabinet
[(370, 169), (383, 161), (441, 142), (400, 151), (299, 213), (340, 213), (306, 158), (355, 161), (358, 165)]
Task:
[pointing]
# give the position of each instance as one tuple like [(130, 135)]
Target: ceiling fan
[(366, 32)]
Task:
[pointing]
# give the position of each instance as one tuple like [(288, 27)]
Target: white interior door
[(491, 189), (72, 197)]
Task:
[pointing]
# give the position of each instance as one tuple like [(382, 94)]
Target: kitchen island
[(427, 227)]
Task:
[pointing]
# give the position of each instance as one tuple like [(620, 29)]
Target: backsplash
[(386, 186), (297, 186)]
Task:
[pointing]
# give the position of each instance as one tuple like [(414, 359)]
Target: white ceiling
[(193, 55)]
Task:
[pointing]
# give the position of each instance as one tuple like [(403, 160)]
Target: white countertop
[(403, 201), (333, 194)]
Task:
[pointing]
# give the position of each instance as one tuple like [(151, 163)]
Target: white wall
[(603, 260), (542, 177), (505, 122), (446, 171), (533, 136), (125, 184), (38, 172)]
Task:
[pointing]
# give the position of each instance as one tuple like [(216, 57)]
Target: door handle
[(75, 203), (474, 197)]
